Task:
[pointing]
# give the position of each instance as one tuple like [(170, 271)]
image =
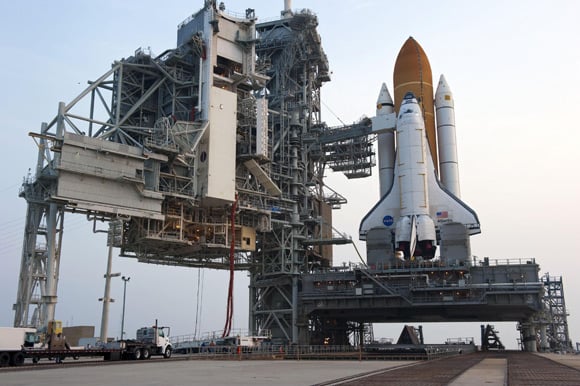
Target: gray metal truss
[(556, 321), (301, 237), (38, 281)]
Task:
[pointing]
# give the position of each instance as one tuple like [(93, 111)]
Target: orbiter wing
[(444, 207)]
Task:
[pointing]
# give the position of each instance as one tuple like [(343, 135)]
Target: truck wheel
[(145, 354), (4, 359), (137, 354), (17, 359), (167, 353)]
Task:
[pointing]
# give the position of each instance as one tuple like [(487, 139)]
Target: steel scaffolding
[(163, 146), (556, 328)]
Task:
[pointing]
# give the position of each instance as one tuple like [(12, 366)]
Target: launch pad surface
[(466, 370)]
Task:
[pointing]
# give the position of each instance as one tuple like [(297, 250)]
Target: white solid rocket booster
[(447, 143), (386, 143)]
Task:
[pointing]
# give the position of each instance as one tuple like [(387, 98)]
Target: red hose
[(230, 303)]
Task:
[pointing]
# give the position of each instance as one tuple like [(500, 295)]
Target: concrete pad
[(198, 372), (490, 371), (571, 360)]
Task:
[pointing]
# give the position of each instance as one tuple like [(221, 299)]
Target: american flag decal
[(442, 214)]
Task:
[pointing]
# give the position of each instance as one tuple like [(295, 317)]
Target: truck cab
[(12, 342), (158, 338)]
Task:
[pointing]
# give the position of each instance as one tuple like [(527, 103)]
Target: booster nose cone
[(384, 98), (442, 87)]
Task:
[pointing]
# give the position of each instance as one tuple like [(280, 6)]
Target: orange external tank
[(413, 73)]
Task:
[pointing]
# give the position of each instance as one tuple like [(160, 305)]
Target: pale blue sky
[(513, 68)]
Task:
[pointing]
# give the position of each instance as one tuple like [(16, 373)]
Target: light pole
[(125, 280), (106, 299)]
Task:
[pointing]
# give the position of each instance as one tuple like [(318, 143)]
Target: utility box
[(455, 247), (380, 253), (247, 239)]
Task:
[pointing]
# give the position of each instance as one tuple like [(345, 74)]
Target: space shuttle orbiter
[(418, 210)]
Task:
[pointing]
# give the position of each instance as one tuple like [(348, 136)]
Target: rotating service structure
[(171, 143)]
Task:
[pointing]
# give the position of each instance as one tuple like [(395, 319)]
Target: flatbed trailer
[(124, 350), (129, 350), (60, 355)]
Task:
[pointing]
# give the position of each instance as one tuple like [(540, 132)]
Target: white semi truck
[(17, 344), (149, 341)]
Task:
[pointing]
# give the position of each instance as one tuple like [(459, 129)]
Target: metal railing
[(328, 352)]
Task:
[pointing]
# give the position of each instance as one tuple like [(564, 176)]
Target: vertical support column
[(295, 309), (544, 346), (206, 65), (113, 238), (252, 306), (54, 216), (106, 299), (29, 264), (529, 337), (59, 130), (296, 255), (119, 95), (41, 151), (31, 267), (49, 297)]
